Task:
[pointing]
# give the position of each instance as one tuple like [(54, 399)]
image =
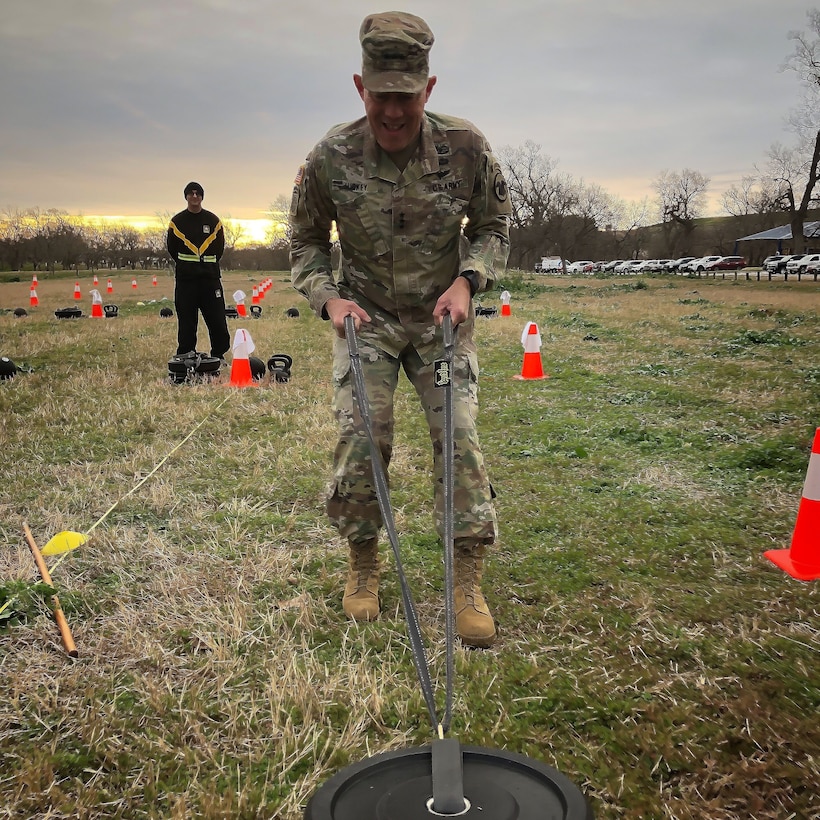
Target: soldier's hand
[(455, 301), (338, 309)]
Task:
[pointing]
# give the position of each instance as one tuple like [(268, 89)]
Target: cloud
[(116, 104)]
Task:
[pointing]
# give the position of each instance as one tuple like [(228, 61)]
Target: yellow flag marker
[(63, 542)]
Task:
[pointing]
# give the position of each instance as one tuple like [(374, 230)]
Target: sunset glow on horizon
[(251, 231)]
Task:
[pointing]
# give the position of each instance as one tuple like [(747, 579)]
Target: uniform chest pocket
[(445, 212), (358, 224)]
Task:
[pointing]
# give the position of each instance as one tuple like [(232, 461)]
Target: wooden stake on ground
[(59, 615)]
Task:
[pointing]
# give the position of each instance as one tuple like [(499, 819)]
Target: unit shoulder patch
[(499, 185)]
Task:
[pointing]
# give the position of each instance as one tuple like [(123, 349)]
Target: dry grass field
[(646, 648)]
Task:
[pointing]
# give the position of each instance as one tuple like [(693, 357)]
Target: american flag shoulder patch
[(299, 175)]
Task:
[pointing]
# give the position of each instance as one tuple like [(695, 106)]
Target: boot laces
[(466, 573), (363, 563)]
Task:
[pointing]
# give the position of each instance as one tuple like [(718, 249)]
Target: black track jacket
[(196, 243)]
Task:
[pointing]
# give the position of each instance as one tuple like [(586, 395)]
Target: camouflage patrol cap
[(395, 51)]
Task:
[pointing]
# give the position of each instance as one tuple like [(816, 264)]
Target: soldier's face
[(395, 119), (194, 200)]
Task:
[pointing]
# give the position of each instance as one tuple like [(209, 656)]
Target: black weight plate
[(497, 784)]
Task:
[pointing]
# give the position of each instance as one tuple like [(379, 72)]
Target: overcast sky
[(110, 107)]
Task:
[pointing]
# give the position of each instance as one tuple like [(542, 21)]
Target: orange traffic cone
[(134, 284), (802, 559), (154, 280), (77, 293), (96, 305), (34, 280), (96, 281), (239, 298), (33, 301), (255, 296), (110, 288), (243, 346), (505, 303), (531, 367)]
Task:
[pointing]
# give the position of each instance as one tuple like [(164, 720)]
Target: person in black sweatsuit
[(196, 242)]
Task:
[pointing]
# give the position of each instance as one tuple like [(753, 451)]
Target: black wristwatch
[(472, 277)]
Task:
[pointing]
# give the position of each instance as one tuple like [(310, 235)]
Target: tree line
[(47, 240)]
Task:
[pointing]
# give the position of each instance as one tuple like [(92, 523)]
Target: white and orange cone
[(96, 280), (154, 280), (110, 288), (33, 301), (255, 296), (802, 559), (96, 305), (134, 284), (243, 346), (77, 292), (239, 298), (531, 367), (505, 303), (34, 281)]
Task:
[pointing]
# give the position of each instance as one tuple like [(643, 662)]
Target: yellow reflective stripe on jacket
[(204, 246), (190, 257), (190, 245), (184, 239)]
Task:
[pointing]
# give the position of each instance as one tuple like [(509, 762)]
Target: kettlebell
[(279, 366)]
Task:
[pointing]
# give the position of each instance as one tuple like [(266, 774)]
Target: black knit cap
[(194, 186)]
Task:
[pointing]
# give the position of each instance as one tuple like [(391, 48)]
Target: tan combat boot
[(361, 598), (474, 623)]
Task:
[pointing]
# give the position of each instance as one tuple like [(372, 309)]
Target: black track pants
[(192, 297)]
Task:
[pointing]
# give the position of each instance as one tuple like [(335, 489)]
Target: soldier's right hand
[(338, 309)]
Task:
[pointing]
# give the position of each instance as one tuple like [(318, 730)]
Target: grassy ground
[(647, 648)]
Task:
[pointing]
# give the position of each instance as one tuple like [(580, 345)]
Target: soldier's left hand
[(455, 301)]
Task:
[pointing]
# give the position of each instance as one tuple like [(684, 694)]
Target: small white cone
[(243, 344), (531, 341)]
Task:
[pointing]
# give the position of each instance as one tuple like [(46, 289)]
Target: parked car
[(551, 264), (699, 265), (612, 265), (813, 267), (584, 266), (727, 263), (627, 266), (779, 265), (799, 262), (770, 260), (645, 265), (675, 265)]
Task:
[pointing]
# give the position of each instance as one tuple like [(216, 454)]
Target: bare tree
[(754, 195), (805, 59), (551, 212), (234, 233), (625, 218), (280, 231), (681, 200), (795, 171), (533, 197)]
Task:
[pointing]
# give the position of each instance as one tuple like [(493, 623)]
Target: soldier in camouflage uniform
[(422, 213)]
